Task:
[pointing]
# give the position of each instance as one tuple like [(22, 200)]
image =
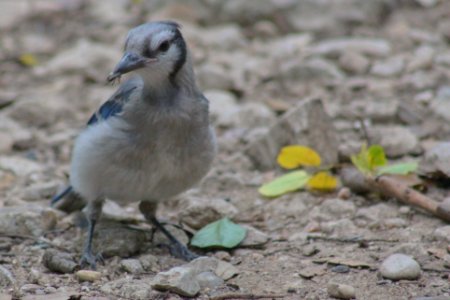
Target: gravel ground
[(381, 63)]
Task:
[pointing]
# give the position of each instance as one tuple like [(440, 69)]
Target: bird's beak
[(129, 62)]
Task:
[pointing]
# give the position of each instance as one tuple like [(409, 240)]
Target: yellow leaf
[(323, 181), (291, 157), (28, 60)]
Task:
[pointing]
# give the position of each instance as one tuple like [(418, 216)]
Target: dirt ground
[(383, 62)]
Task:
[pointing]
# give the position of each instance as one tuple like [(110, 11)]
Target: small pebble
[(310, 250), (400, 266), (340, 291), (340, 269), (344, 193), (88, 275), (132, 266)]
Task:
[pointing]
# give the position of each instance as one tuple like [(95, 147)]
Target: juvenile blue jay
[(151, 140)]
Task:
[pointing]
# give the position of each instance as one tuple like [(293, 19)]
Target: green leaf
[(361, 160), (376, 157), (399, 169), (286, 183), (367, 160), (221, 233)]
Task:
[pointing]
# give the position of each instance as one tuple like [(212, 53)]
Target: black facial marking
[(181, 44)]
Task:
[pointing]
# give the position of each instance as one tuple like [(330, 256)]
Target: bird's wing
[(110, 108), (114, 105)]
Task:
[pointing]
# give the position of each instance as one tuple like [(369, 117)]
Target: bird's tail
[(68, 201)]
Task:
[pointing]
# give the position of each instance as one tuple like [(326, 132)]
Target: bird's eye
[(164, 46)]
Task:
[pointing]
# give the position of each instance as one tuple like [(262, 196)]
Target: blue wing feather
[(113, 106), (110, 108)]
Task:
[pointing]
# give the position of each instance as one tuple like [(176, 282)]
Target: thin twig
[(348, 240), (246, 296), (389, 186)]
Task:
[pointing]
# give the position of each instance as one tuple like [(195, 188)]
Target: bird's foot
[(181, 251), (89, 259)]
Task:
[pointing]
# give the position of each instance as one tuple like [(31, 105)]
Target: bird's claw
[(88, 259), (181, 251)]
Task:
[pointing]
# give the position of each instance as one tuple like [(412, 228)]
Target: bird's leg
[(94, 211), (177, 249)]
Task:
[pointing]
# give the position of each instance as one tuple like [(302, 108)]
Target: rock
[(20, 166), (396, 140), (129, 288), (310, 250), (27, 220), (198, 212), (209, 280), (427, 3), (340, 291), (335, 47), (422, 59), (110, 12), (251, 10), (59, 262), (31, 288), (149, 262), (254, 237), (160, 238), (388, 68), (40, 191), (400, 266), (436, 161), (354, 63), (312, 271), (253, 114), (314, 68), (376, 212), (433, 298), (132, 266), (222, 107), (113, 211), (88, 275), (115, 239), (287, 46), (340, 269), (12, 13), (6, 277), (225, 270), (442, 233), (213, 77), (333, 209), (73, 60), (379, 110), (224, 37), (441, 105), (305, 124), (6, 142), (180, 280), (419, 81)]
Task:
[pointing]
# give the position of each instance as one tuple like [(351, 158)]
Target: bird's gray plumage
[(152, 139)]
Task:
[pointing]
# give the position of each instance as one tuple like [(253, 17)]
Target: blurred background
[(385, 63)]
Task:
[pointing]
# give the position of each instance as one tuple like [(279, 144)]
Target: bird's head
[(155, 50)]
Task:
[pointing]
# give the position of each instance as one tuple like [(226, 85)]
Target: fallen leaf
[(399, 169), (286, 183), (323, 181), (28, 60), (295, 156), (367, 160), (222, 233)]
